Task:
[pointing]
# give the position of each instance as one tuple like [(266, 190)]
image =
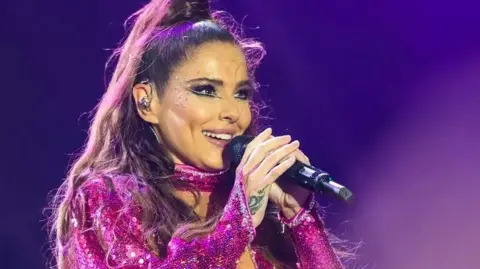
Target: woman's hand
[(287, 195), (264, 160)]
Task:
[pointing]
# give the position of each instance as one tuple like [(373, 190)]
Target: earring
[(155, 134), (144, 103)]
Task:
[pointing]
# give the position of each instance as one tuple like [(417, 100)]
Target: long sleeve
[(310, 240), (121, 243)]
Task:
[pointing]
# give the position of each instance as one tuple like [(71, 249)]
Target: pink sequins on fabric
[(204, 181), (310, 240), (110, 234)]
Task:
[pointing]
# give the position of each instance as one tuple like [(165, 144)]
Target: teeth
[(218, 136)]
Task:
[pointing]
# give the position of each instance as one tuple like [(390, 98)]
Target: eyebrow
[(219, 82)]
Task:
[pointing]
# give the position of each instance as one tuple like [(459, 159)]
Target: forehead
[(220, 60)]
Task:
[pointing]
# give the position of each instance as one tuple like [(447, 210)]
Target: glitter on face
[(185, 110), (181, 97)]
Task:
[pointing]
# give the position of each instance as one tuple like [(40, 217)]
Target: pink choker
[(204, 181)]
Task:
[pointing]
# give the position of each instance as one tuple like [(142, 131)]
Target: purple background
[(385, 95)]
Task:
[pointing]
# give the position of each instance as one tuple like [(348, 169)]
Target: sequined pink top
[(111, 234)]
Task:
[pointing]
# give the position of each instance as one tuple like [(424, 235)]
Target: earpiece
[(144, 103)]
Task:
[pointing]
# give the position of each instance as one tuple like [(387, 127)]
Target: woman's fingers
[(266, 134), (262, 150), (302, 157), (267, 157), (278, 170), (275, 158)]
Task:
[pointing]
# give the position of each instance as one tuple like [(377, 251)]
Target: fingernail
[(268, 130), (296, 143), (286, 137)]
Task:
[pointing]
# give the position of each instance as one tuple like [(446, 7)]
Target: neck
[(200, 206)]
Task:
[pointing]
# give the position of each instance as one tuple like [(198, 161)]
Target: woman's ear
[(146, 101)]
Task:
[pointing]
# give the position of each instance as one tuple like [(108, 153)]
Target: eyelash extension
[(210, 91), (247, 92), (204, 90)]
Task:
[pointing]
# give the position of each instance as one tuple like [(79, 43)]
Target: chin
[(214, 165)]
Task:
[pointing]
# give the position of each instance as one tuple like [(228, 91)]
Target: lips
[(217, 142), (219, 137)]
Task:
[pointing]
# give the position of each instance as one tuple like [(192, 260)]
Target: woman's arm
[(114, 236), (310, 239)]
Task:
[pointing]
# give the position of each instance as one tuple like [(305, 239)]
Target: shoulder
[(110, 184), (109, 190), (108, 204)]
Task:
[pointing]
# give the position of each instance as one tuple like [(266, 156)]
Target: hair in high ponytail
[(181, 11)]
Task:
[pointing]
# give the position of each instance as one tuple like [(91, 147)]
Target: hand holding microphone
[(304, 175), (260, 163)]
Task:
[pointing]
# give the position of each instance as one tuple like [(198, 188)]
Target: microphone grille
[(236, 148)]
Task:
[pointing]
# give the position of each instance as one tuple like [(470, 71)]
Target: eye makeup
[(208, 90), (203, 90)]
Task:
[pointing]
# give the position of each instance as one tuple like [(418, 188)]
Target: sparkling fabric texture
[(110, 234), (310, 240), (205, 182)]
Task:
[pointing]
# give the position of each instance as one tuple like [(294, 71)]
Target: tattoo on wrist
[(255, 201)]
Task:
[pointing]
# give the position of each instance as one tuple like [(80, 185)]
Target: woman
[(151, 189)]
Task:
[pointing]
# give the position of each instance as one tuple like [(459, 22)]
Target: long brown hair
[(121, 143)]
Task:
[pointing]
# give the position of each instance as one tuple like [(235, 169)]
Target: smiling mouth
[(220, 140), (224, 137)]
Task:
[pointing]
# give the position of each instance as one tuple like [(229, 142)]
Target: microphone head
[(236, 148)]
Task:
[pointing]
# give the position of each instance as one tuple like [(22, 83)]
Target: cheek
[(189, 109), (174, 114), (181, 98), (246, 117)]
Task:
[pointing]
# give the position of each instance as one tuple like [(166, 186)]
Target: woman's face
[(205, 104)]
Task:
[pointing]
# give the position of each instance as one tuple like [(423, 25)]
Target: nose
[(230, 111)]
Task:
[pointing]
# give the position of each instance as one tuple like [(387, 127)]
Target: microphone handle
[(317, 180)]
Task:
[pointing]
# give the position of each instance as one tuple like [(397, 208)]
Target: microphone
[(306, 176)]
